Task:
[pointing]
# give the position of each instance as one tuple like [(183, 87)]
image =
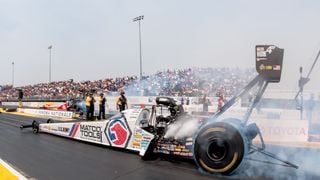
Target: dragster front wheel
[(219, 148)]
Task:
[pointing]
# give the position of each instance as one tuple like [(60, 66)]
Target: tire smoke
[(182, 128)]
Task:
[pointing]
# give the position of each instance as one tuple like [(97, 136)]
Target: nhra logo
[(118, 132)]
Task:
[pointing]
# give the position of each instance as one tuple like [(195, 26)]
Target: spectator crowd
[(186, 82)]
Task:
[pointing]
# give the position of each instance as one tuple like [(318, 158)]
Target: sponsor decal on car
[(144, 144), (74, 129), (262, 67), (63, 129), (261, 52), (276, 67), (137, 139), (118, 132), (91, 132), (141, 139), (268, 67), (136, 144)]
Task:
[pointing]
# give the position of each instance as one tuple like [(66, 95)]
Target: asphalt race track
[(44, 156)]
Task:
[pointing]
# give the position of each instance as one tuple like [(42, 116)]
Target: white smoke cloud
[(305, 155), (182, 128), (307, 159)]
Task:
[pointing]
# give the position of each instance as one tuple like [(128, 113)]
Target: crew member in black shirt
[(102, 109)]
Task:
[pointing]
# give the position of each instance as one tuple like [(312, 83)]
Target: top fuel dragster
[(217, 146)]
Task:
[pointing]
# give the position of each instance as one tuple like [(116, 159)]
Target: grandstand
[(185, 82)]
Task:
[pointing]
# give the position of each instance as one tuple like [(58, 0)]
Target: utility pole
[(50, 47), (139, 18), (12, 74), (303, 81)]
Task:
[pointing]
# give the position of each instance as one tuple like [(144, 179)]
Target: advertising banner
[(283, 130), (47, 113)]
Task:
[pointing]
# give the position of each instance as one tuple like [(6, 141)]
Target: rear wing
[(269, 62)]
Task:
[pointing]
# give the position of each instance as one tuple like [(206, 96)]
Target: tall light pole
[(50, 47), (12, 74), (139, 18)]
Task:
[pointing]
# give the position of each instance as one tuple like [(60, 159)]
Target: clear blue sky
[(95, 39)]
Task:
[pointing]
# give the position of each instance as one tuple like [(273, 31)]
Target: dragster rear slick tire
[(219, 148)]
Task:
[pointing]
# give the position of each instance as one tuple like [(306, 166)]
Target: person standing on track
[(220, 102), (206, 103), (88, 100), (121, 101), (92, 107), (102, 104)]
